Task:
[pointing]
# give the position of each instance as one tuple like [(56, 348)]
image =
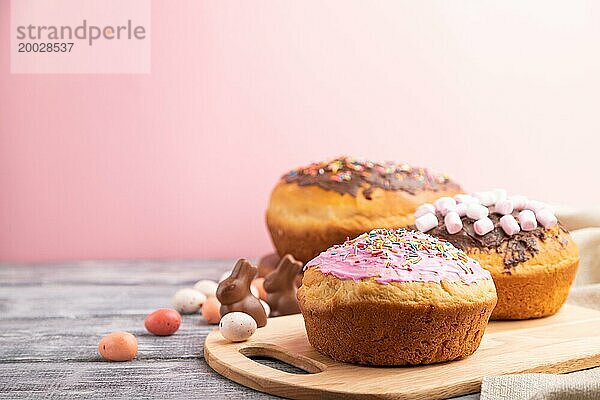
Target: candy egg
[(237, 326), (266, 307), (188, 301), (254, 290), (163, 322), (211, 310), (206, 287), (258, 283), (118, 346)]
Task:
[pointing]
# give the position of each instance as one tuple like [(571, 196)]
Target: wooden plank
[(184, 379), (562, 343), (113, 272), (76, 339), (83, 300)]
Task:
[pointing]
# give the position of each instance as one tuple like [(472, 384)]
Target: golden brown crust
[(533, 295), (305, 220), (396, 324), (537, 287)]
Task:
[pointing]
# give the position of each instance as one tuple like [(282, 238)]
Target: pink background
[(179, 163)]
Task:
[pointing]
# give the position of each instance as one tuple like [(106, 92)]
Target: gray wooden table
[(53, 315)]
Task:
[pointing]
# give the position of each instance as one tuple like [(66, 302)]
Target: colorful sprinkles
[(398, 255), (348, 175)]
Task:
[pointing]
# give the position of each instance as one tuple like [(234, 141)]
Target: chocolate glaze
[(346, 175), (517, 248)]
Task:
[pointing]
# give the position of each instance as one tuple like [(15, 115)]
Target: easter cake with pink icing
[(531, 257), (395, 297)]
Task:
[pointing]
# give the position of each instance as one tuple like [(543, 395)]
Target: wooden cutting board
[(568, 341)]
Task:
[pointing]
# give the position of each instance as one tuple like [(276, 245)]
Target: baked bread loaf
[(395, 297), (322, 204), (531, 257)]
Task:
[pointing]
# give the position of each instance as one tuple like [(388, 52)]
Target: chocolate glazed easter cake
[(531, 257), (395, 297), (314, 207)]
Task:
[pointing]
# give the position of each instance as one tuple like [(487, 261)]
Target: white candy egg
[(188, 301), (254, 291), (237, 326), (266, 307), (206, 287)]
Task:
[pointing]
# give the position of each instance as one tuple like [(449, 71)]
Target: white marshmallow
[(483, 226), (477, 211), (509, 225), (446, 208), (504, 207), (499, 194), (465, 198), (519, 202), (461, 209), (424, 209), (443, 203), (535, 205), (426, 222), (546, 218), (453, 222), (485, 198), (527, 220)]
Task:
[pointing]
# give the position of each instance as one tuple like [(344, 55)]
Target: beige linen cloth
[(584, 226)]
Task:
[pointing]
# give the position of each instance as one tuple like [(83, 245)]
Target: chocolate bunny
[(268, 263), (281, 287), (234, 293)]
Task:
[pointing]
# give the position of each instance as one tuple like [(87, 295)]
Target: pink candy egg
[(163, 322), (258, 283), (211, 310), (118, 346)]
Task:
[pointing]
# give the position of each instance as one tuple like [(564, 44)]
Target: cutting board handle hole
[(274, 357)]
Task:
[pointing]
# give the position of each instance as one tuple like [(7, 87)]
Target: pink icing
[(398, 256)]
